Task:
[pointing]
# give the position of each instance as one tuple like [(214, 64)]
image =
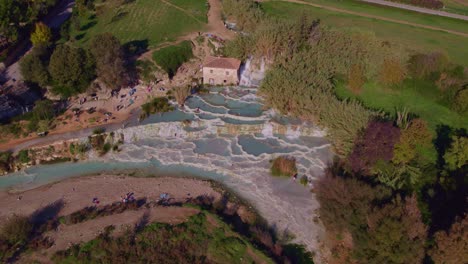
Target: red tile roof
[(222, 63)]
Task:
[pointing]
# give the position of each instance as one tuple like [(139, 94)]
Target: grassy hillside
[(411, 37), (150, 21)]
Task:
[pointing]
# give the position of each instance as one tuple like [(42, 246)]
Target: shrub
[(415, 138), (356, 78), (304, 180), (283, 166), (460, 103), (98, 130), (422, 65), (16, 229), (392, 72), (156, 105), (23, 156), (172, 57)]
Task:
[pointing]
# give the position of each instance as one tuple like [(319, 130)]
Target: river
[(230, 138)]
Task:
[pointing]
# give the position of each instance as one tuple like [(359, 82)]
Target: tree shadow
[(136, 47), (49, 212), (88, 25), (80, 36), (41, 220), (142, 222)]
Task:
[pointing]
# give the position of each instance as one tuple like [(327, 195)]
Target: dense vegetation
[(69, 69), (172, 57), (411, 37), (398, 163), (194, 241), (17, 18)]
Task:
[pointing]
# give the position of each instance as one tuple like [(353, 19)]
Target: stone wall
[(218, 76)]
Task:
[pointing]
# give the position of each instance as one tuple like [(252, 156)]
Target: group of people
[(129, 197)]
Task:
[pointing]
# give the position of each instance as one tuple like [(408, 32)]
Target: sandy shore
[(79, 192)]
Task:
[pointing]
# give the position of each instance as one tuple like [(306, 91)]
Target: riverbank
[(77, 193), (65, 216)]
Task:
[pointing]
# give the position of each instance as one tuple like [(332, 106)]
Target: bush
[(16, 229), (23, 156), (172, 57), (98, 130), (156, 105), (283, 166), (304, 180)]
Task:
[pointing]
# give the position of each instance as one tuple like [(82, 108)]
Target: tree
[(416, 137), (392, 72), (451, 247), (110, 60), (395, 233), (356, 78), (460, 103), (376, 144), (344, 201), (457, 155), (43, 110), (33, 67), (71, 69), (41, 35)]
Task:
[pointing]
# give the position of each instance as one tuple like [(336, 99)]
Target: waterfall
[(250, 75)]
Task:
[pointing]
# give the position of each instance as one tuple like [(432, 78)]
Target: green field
[(396, 13), (411, 37), (422, 103), (151, 21), (456, 6)]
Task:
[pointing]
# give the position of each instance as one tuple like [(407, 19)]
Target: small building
[(221, 71)]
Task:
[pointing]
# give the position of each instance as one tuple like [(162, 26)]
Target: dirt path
[(376, 17), (418, 9)]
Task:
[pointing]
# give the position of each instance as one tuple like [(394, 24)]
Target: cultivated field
[(150, 21), (413, 38)]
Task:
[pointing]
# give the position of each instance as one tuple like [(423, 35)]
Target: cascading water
[(225, 135), (252, 73)]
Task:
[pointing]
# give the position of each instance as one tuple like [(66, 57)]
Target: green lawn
[(422, 103), (144, 20), (411, 37), (456, 6), (396, 13)]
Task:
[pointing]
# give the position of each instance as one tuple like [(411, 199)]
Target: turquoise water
[(231, 139)]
